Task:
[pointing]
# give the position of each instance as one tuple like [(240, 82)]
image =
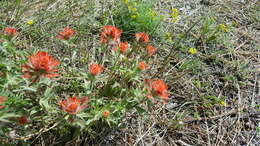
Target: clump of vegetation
[(33, 92), (138, 16)]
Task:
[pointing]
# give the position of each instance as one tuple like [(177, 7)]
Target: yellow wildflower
[(126, 1), (223, 27), (175, 15), (193, 51), (175, 12), (223, 103), (30, 22)]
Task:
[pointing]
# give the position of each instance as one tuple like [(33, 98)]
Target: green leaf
[(76, 130), (140, 110), (5, 116), (18, 2), (47, 92), (26, 88), (44, 103)]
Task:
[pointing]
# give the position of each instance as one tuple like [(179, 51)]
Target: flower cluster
[(223, 27), (151, 50), (41, 65), (175, 15), (11, 31), (110, 34), (123, 47), (158, 88), (143, 65), (96, 69), (74, 105), (193, 51), (30, 22), (144, 38), (66, 34)]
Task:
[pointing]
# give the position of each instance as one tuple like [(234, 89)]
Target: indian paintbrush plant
[(38, 92)]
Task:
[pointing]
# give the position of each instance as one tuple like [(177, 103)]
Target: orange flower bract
[(151, 50), (160, 89), (142, 37), (66, 34), (2, 101), (110, 33), (96, 69), (123, 46), (41, 65), (74, 105), (10, 31), (143, 65), (106, 114)]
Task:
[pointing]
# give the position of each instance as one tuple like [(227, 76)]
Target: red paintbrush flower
[(23, 120), (142, 37), (74, 105), (66, 34), (41, 65), (2, 101), (143, 65), (106, 114), (160, 89), (96, 69), (110, 33), (11, 31), (151, 50), (123, 46)]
